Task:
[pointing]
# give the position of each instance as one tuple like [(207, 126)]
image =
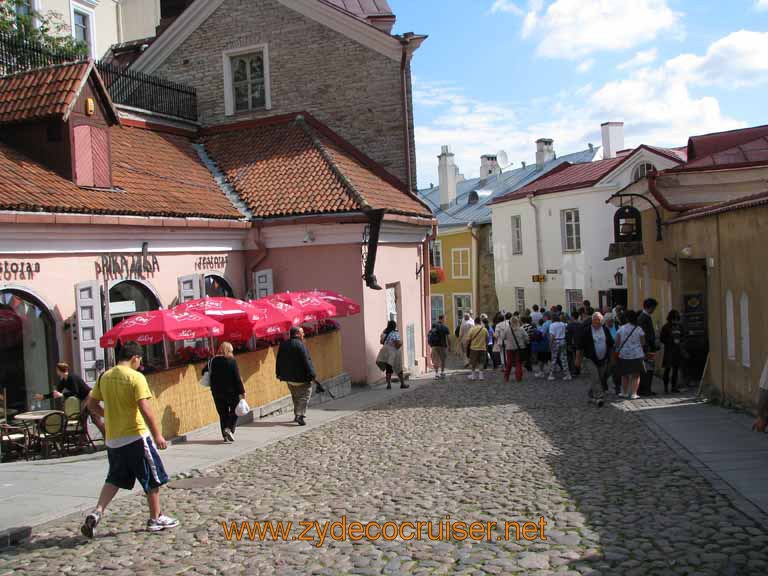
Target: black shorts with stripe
[(138, 460)]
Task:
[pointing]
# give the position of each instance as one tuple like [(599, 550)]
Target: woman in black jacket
[(227, 388)]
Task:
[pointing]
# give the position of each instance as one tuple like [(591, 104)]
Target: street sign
[(539, 278)]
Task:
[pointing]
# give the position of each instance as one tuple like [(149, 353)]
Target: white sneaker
[(480, 376), (634, 397), (161, 523), (550, 378), (567, 377), (471, 376), (622, 395)]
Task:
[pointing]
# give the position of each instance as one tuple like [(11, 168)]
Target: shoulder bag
[(205, 381)]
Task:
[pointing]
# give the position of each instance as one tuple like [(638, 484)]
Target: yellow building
[(454, 251), (699, 252)]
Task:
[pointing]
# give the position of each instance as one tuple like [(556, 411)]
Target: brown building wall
[(487, 300), (353, 89), (722, 253)]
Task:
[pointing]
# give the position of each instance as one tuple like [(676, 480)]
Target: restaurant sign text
[(127, 266), (211, 262), (12, 271)]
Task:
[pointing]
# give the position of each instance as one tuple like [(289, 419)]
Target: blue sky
[(498, 74)]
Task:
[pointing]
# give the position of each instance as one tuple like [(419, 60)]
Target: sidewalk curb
[(724, 488)]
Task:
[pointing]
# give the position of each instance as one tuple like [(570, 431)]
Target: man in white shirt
[(536, 315), (761, 422), (466, 326), (558, 346)]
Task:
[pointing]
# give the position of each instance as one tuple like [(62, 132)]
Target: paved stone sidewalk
[(616, 498)]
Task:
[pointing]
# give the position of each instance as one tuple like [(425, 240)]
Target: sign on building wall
[(11, 271), (128, 266)]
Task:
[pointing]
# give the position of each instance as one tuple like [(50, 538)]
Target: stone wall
[(487, 300), (356, 91)]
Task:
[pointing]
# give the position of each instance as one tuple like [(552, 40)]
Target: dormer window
[(246, 80), (642, 171)]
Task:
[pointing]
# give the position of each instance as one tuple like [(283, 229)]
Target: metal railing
[(125, 86)]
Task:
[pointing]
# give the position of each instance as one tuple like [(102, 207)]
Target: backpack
[(433, 337)]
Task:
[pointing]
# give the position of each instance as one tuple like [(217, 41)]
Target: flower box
[(436, 275)]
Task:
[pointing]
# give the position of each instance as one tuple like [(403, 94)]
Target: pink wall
[(335, 267), (395, 263)]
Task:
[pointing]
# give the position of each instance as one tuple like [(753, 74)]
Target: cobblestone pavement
[(615, 498)]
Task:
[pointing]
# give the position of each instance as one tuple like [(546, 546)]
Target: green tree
[(19, 22)]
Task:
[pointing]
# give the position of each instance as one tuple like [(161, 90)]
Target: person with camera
[(294, 367)]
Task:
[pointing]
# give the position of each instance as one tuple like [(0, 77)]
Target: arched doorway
[(128, 298), (216, 286), (28, 348)]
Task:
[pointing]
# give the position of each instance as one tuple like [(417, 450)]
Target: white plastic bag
[(205, 381), (242, 408)]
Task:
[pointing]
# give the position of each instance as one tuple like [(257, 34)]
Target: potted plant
[(436, 275)]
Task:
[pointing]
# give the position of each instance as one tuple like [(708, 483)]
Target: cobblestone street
[(615, 498)]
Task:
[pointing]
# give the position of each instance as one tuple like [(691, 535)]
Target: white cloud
[(655, 102), (737, 60), (506, 6), (642, 58), (761, 4), (573, 29), (586, 66)]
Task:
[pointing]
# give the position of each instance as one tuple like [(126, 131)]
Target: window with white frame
[(460, 263), (571, 230), (517, 235), (730, 326), (462, 304), (246, 80), (438, 306), (436, 253), (23, 8), (84, 27), (744, 325), (520, 299), (574, 299), (642, 171)]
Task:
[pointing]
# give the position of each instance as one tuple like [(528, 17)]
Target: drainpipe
[(723, 357), (539, 258), (427, 295), (474, 263), (405, 43)]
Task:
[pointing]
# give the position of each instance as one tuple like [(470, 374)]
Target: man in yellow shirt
[(477, 343), (130, 450)]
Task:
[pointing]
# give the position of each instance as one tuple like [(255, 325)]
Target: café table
[(32, 421)]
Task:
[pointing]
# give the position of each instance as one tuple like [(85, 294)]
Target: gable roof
[(153, 173), (293, 165), (328, 13), (461, 211), (708, 144), (49, 92), (574, 177)]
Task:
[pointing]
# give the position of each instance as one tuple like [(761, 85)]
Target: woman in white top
[(515, 343), (630, 340)]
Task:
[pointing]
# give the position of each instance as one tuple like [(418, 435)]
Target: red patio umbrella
[(343, 306), (274, 316), (151, 327), (221, 308), (312, 308)]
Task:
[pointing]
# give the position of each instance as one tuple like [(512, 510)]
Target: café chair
[(76, 430), (50, 432), (14, 440)]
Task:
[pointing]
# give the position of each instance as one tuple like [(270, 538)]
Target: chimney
[(447, 173), (613, 138), (489, 165), (545, 152)]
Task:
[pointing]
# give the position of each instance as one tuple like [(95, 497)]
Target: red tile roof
[(43, 93), (154, 174), (294, 165), (753, 201), (567, 176), (708, 144), (753, 152)]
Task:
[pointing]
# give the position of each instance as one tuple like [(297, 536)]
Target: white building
[(559, 225), (100, 23)]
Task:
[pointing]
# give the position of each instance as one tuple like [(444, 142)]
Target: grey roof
[(461, 211)]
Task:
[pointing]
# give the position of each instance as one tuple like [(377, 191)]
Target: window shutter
[(89, 329), (83, 156), (101, 163), (263, 283), (191, 287)]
